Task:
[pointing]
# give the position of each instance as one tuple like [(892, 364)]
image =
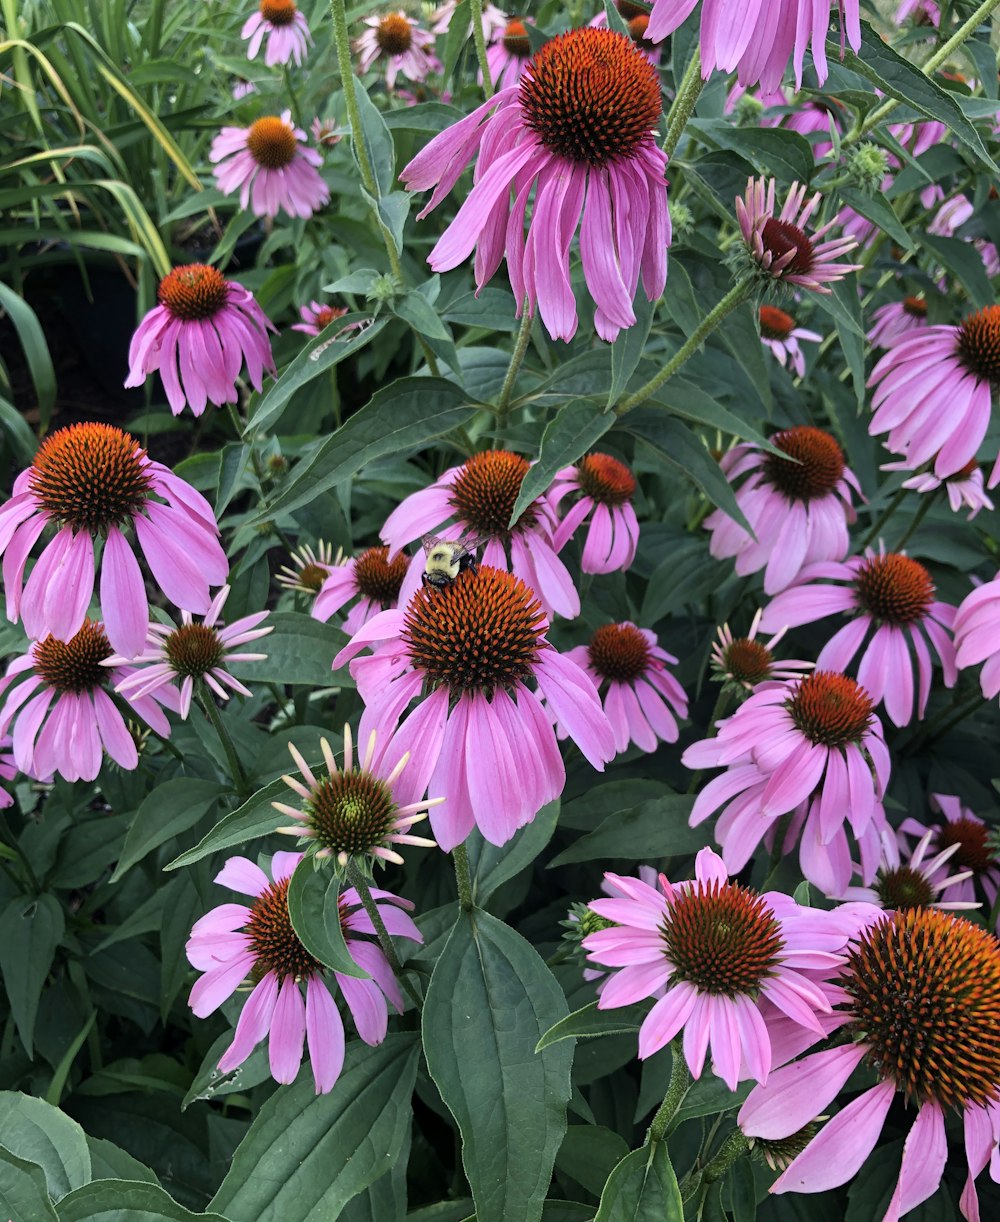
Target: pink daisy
[(91, 481), (60, 715), (8, 770), (921, 1006), (964, 833), (910, 879), (810, 115), (579, 130), (494, 19), (199, 336), (965, 488), (193, 652), (371, 578), (890, 598), (508, 54), (605, 488), (977, 634), (269, 167), (759, 40), (317, 317), (744, 662), (779, 247), (933, 392), (478, 499), (403, 45), (256, 943), (643, 700), (897, 319), (479, 737), (720, 949), (285, 28), (779, 333), (799, 510)]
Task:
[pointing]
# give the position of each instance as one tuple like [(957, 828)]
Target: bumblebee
[(445, 559)]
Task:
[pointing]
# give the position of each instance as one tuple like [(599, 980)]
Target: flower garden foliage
[(498, 703)]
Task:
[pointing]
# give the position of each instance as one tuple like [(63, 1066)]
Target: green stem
[(680, 1084), (946, 720), (358, 881), (239, 777), (685, 100), (733, 1148), (296, 109), (478, 38), (516, 360), (739, 293), (463, 879), (926, 502), (887, 513)]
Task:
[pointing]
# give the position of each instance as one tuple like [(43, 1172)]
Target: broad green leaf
[(314, 910), (299, 650), (408, 414), (30, 930), (22, 1190), (658, 828), (40, 1133), (36, 350), (642, 1188), (492, 308), (589, 1022), (850, 331), (490, 1000), (770, 150), (965, 263), (741, 334), (615, 20), (126, 1201), (835, 303), (210, 1082), (568, 436), (385, 1200), (878, 210), (377, 141), (589, 1154), (111, 1162), (428, 118), (307, 1155), (392, 210), (255, 818), (742, 1191), (169, 810), (684, 399), (491, 866), (232, 463)]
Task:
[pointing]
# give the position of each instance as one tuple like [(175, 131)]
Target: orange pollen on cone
[(974, 851), (619, 652), (193, 292), (376, 578), (278, 12), (831, 710), (91, 477), (515, 39), (327, 314), (591, 96), (979, 344), (394, 34), (780, 237), (193, 649), (74, 665), (925, 999), (605, 480), (894, 589), (271, 142), (775, 323), (817, 470), (916, 307), (485, 492), (722, 938), (273, 942), (748, 661)]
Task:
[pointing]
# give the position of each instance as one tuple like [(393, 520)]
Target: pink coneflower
[(371, 578), (917, 137), (933, 391), (352, 813), (285, 28), (977, 634), (606, 488), (243, 89), (478, 498), (199, 336), (309, 568), (403, 45), (965, 833), (964, 488), (889, 595), (914, 880), (267, 163), (256, 942), (799, 510), (317, 317), (193, 652), (643, 699), (744, 662), (582, 921), (59, 711), (952, 215), (91, 481), (896, 319), (779, 333), (779, 247), (759, 41), (921, 12), (922, 1009), (494, 19), (810, 747), (823, 844), (720, 949), (508, 54), (8, 770), (578, 129), (480, 737)]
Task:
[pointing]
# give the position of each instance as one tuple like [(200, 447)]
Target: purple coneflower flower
[(779, 333), (480, 737), (965, 833), (720, 949), (494, 19), (309, 568), (890, 595), (977, 634), (643, 699), (286, 29), (799, 510), (317, 317), (605, 487), (578, 130), (193, 651), (964, 488), (270, 168), (933, 392), (508, 54), (914, 880), (398, 40), (199, 336), (256, 942), (59, 712), (8, 769), (371, 578), (896, 319), (922, 12), (744, 662), (91, 481)]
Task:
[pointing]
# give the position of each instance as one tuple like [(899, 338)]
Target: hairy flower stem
[(740, 292), (463, 879), (239, 777), (685, 100), (360, 884), (734, 1147), (680, 1084), (476, 9), (516, 360)]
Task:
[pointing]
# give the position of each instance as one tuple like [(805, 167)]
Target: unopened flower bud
[(867, 166)]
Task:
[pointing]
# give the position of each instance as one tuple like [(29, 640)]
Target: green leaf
[(169, 810), (111, 1162), (307, 1155), (255, 818), (408, 414), (741, 335), (770, 150), (965, 263), (615, 20), (642, 1188), (392, 210), (299, 650), (314, 910), (657, 828), (377, 141), (589, 1154), (30, 930), (42, 1134), (232, 463), (489, 1001), (850, 332), (126, 1201), (491, 866), (573, 431), (588, 1022), (429, 118), (36, 350), (319, 355), (415, 309), (878, 210), (493, 308), (685, 399), (22, 1190)]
